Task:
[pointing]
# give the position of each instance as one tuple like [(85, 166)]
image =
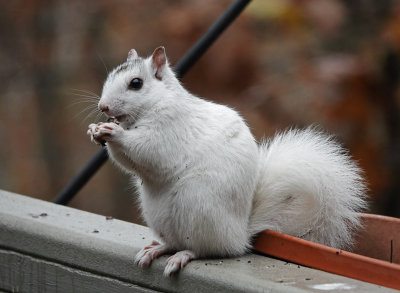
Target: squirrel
[(206, 187)]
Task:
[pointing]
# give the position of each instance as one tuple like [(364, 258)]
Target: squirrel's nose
[(103, 108)]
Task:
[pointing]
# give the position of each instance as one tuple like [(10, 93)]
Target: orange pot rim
[(330, 259)]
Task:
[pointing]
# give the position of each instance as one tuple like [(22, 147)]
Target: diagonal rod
[(183, 65), (206, 40)]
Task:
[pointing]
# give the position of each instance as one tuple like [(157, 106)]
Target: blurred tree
[(282, 63)]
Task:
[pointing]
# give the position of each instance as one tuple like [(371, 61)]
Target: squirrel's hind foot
[(146, 255), (178, 261)]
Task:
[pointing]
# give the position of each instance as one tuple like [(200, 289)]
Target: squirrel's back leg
[(146, 255), (174, 263), (178, 261)]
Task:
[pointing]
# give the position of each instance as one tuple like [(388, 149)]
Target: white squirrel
[(206, 188)]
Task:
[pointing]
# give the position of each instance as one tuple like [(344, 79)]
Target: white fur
[(308, 187), (205, 186)]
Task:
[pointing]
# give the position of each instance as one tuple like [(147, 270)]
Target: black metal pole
[(72, 188), (183, 65), (206, 40)]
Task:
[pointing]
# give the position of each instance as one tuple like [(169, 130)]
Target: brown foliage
[(281, 64)]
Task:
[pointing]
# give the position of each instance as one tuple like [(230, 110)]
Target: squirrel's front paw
[(102, 132)]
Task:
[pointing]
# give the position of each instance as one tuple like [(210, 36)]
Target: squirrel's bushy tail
[(308, 187)]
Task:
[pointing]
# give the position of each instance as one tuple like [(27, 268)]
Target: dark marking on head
[(121, 68), (128, 65)]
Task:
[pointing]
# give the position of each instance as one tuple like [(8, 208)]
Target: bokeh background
[(283, 63)]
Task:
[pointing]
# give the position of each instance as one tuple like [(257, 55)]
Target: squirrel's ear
[(132, 55), (158, 62)]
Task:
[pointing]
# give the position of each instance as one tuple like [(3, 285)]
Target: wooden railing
[(46, 247)]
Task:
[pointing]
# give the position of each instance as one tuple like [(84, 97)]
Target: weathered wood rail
[(46, 247)]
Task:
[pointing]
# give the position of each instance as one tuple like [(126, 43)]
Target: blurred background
[(283, 63)]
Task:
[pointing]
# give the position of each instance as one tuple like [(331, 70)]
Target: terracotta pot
[(375, 257)]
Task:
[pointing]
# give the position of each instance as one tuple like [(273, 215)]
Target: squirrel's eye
[(135, 84)]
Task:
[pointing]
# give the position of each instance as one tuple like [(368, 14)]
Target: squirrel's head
[(136, 85)]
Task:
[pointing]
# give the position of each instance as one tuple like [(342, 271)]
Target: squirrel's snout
[(104, 108)]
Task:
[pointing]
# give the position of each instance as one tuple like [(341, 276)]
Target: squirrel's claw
[(178, 261)]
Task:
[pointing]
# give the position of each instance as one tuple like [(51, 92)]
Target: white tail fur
[(308, 187)]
